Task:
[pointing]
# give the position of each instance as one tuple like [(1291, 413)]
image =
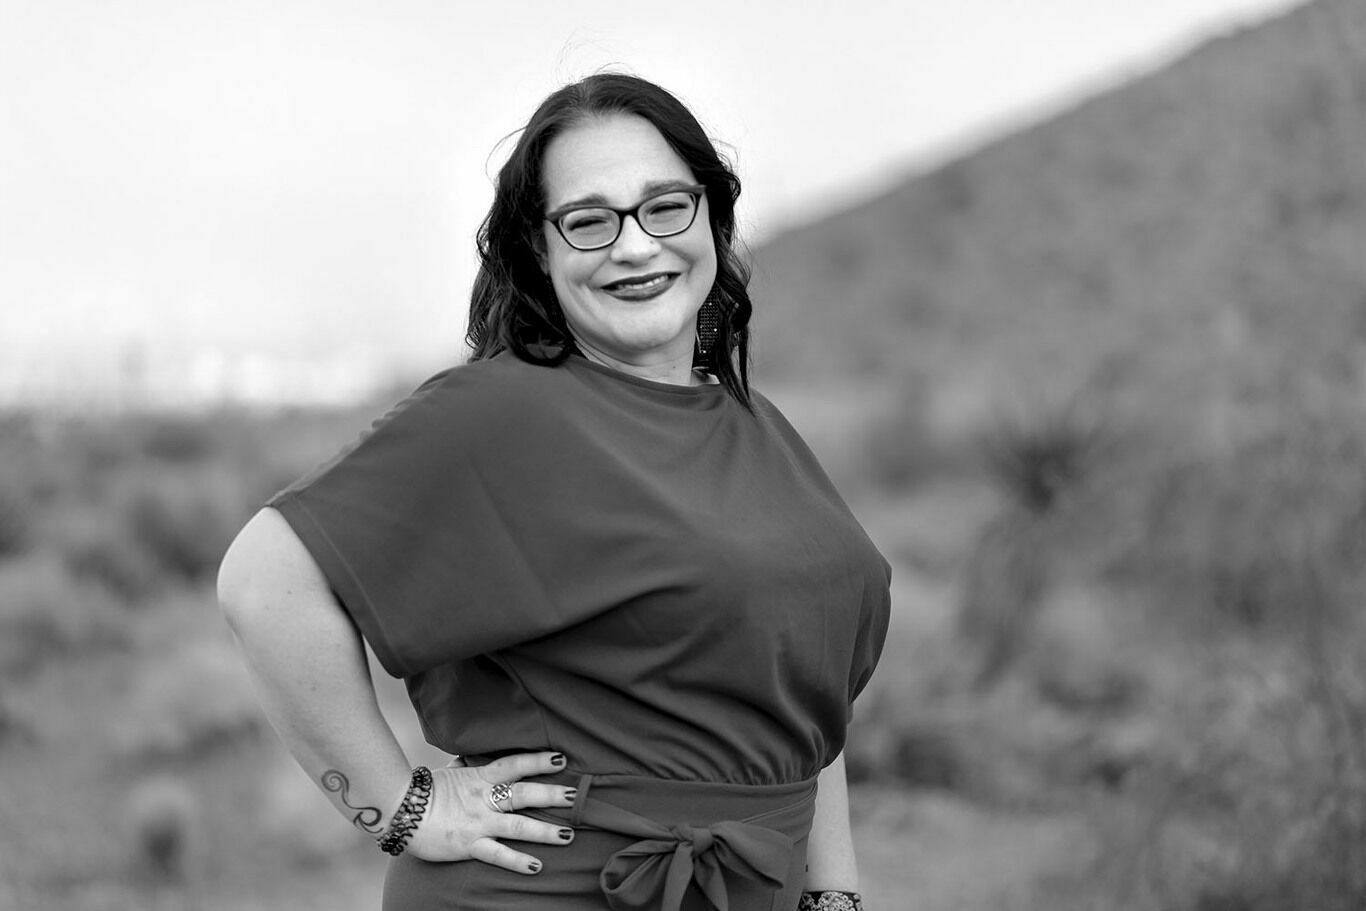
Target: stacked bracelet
[(395, 838), (830, 901)]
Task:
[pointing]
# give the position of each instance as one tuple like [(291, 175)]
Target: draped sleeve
[(429, 559)]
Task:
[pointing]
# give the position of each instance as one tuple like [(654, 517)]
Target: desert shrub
[(184, 521), (1039, 462), (45, 612), (920, 725), (98, 449), (176, 440), (918, 749), (1005, 580), (1221, 532), (97, 549), (16, 518), (1264, 806), (189, 700), (901, 449), (1038, 455), (162, 820), (1008, 750)]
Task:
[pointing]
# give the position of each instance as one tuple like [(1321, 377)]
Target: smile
[(640, 286)]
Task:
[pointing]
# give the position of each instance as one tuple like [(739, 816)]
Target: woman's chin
[(650, 338)]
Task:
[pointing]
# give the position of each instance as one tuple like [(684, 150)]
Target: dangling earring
[(708, 328)]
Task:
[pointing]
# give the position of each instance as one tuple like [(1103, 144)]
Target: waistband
[(706, 833)]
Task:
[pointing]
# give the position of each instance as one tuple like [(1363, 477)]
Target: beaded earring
[(708, 329)]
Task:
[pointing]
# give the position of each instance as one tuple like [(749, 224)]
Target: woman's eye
[(586, 221)]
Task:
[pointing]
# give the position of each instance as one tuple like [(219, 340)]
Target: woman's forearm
[(309, 668), (830, 861)]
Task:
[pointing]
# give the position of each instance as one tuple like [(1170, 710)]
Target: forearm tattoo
[(366, 818)]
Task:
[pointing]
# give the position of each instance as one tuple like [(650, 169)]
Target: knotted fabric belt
[(688, 833)]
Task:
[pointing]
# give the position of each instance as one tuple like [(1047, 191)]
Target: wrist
[(830, 900), (411, 810)]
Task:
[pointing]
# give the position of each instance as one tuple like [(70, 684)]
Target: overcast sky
[(306, 176)]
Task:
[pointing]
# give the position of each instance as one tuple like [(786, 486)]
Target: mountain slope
[(1208, 216)]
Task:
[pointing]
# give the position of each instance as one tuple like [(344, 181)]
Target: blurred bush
[(187, 701), (1219, 533), (1040, 461), (902, 449), (16, 518), (98, 550), (1160, 624), (45, 613), (163, 826), (176, 440), (1264, 808), (183, 521)]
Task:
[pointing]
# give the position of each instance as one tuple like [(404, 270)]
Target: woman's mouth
[(640, 287)]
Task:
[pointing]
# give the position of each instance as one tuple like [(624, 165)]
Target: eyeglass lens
[(659, 216)]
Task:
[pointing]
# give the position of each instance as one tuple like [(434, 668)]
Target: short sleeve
[(874, 620), (424, 557)]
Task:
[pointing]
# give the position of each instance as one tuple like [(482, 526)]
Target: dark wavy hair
[(513, 305)]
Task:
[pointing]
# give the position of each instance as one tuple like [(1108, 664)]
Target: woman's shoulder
[(488, 387)]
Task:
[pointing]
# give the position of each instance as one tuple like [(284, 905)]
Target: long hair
[(513, 305)]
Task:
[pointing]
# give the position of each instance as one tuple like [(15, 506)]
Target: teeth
[(639, 286)]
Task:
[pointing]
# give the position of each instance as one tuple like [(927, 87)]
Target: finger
[(500, 855), (534, 794), (524, 828), (521, 765)]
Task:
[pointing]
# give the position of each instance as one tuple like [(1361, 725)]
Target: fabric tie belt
[(682, 840)]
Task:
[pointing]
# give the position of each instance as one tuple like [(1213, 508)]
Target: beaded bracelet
[(395, 838), (830, 901)]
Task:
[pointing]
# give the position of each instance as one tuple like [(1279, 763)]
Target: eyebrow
[(597, 199)]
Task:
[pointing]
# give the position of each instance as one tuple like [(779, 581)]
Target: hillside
[(1209, 215)]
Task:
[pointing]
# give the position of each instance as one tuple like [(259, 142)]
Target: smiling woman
[(600, 153), (630, 302), (614, 579)]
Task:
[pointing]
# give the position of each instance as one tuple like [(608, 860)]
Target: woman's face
[(633, 303)]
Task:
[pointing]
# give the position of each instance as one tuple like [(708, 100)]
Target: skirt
[(640, 844)]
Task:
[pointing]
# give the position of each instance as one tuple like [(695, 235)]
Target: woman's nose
[(633, 243)]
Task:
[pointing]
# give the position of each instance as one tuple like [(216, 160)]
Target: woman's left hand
[(461, 822)]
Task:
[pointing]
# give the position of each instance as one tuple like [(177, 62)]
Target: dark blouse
[(647, 577)]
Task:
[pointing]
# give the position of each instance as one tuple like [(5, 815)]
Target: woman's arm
[(830, 851), (308, 664)]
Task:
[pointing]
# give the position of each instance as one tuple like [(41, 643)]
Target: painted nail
[(534, 866), (566, 834), (571, 793), (557, 759)]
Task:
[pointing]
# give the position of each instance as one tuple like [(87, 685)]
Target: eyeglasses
[(594, 227)]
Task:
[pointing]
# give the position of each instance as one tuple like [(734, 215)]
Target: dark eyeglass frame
[(696, 191)]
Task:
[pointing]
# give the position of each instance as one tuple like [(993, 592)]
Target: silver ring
[(500, 792)]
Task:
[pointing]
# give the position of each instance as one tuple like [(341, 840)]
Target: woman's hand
[(460, 823)]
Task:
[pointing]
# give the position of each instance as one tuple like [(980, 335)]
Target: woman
[(613, 578)]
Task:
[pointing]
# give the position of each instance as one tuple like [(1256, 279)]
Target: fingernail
[(557, 759), (571, 793), (566, 834), (534, 866)]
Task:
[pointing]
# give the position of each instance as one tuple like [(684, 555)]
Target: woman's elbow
[(264, 560)]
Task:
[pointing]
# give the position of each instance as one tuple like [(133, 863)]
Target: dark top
[(647, 577)]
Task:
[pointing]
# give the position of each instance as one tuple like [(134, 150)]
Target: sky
[(205, 189)]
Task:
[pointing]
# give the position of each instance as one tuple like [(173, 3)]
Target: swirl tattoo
[(366, 818)]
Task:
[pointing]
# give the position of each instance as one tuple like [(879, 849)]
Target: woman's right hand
[(460, 823)]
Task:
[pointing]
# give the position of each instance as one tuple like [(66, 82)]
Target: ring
[(499, 792)]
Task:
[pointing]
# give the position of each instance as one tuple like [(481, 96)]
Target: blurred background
[(1070, 299)]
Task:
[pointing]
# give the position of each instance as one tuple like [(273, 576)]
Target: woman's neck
[(674, 373)]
